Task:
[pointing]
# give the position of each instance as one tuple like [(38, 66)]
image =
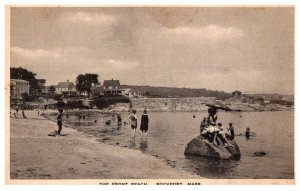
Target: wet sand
[(35, 155)]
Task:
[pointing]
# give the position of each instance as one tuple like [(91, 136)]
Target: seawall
[(190, 104)]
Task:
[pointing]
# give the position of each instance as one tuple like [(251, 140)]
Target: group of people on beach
[(16, 113), (213, 131), (133, 121)]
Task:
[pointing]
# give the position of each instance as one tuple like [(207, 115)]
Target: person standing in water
[(59, 121), (17, 110), (133, 122), (23, 114), (144, 123), (231, 130), (119, 118), (79, 116), (247, 133)]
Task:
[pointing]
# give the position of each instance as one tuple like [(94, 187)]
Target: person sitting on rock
[(231, 130), (209, 133), (208, 130), (207, 126), (221, 135), (212, 116), (203, 124)]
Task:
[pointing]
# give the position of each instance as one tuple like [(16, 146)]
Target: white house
[(111, 88), (65, 88), (18, 87)]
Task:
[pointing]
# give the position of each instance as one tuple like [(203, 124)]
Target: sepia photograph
[(150, 95)]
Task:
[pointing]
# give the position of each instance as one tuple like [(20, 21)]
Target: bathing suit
[(144, 123), (133, 121)]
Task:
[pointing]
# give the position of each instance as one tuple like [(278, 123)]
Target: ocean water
[(169, 132)]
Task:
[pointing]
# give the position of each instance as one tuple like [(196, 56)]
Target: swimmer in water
[(247, 133)]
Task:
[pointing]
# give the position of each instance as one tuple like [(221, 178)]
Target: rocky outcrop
[(172, 104), (259, 154), (202, 147)]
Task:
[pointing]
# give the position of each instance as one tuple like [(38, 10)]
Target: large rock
[(202, 147)]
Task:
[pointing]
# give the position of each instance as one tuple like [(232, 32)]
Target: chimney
[(67, 80), (112, 79)]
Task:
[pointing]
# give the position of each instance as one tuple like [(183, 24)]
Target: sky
[(219, 48)]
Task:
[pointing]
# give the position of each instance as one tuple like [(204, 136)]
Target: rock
[(202, 147), (53, 134), (259, 154)]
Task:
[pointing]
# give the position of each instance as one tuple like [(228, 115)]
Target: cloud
[(89, 18), (112, 64), (70, 62), (34, 53), (209, 32)]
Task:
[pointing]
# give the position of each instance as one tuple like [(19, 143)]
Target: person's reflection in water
[(143, 145), (119, 125), (132, 142)]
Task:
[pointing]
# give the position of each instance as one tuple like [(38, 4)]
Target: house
[(43, 91), (133, 94), (111, 88), (18, 87), (65, 88), (126, 92)]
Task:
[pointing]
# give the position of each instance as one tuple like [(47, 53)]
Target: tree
[(43, 81), (51, 90), (25, 97), (84, 82)]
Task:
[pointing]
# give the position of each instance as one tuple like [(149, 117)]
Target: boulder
[(202, 147), (259, 154)]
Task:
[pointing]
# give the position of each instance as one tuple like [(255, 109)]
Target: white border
[(147, 3)]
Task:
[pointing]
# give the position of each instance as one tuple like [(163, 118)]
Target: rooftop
[(18, 80), (112, 83), (65, 85)]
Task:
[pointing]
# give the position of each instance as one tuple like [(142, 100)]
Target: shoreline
[(54, 112), (34, 155)]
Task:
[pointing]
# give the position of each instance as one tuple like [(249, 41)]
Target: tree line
[(84, 82), (151, 91)]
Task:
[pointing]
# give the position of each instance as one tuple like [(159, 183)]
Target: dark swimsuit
[(144, 123)]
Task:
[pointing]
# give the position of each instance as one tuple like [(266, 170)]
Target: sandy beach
[(34, 155)]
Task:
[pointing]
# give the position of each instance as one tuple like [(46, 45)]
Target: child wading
[(119, 119), (231, 130), (144, 123), (133, 121), (59, 121)]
